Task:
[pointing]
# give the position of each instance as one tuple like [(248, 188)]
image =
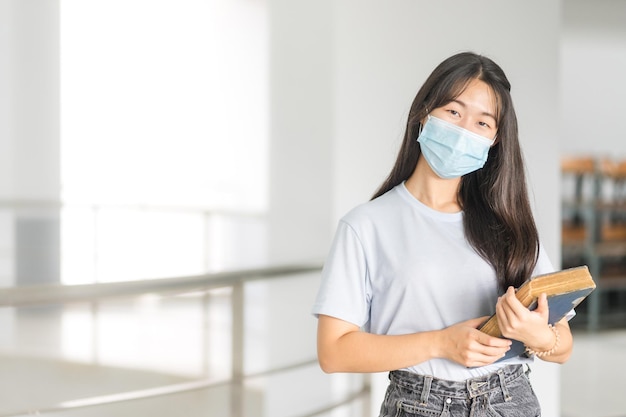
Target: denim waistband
[(423, 385)]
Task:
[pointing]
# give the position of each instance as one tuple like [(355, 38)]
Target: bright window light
[(164, 108)]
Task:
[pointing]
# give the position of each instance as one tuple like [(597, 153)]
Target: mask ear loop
[(419, 130)]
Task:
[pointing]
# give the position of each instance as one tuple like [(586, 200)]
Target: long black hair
[(497, 217)]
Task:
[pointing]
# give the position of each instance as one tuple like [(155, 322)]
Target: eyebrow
[(485, 113)]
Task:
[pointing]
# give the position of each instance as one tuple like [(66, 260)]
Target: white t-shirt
[(397, 266)]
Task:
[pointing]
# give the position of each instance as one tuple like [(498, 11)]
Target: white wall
[(301, 121), (29, 86), (29, 139), (383, 53), (593, 78)]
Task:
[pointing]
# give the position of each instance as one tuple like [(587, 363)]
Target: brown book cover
[(565, 289)]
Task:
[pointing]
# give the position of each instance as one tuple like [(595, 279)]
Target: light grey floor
[(593, 381)]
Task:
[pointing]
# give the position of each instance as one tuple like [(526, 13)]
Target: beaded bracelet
[(557, 338)]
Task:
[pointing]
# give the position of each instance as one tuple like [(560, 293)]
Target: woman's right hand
[(465, 344)]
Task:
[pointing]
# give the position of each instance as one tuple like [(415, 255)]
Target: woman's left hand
[(518, 322)]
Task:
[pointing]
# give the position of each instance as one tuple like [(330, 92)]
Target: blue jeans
[(506, 393)]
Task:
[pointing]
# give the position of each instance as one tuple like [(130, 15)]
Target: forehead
[(478, 96)]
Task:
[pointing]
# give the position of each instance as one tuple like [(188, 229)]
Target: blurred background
[(171, 174)]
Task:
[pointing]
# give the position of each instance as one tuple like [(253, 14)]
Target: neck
[(437, 193)]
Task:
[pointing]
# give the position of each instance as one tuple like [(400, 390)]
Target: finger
[(477, 322), (514, 309), (485, 356), (495, 352), (503, 312), (510, 297), (542, 304), (493, 342)]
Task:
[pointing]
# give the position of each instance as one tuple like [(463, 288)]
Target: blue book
[(565, 289)]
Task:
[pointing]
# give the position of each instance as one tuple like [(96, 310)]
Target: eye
[(454, 112), (484, 124)]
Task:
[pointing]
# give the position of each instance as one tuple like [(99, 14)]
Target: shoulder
[(379, 209)]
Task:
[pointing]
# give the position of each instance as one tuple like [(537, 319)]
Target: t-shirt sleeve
[(544, 266), (344, 291)]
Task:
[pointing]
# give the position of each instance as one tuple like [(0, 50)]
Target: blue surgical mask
[(450, 150)]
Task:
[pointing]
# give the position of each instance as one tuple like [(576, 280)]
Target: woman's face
[(474, 109)]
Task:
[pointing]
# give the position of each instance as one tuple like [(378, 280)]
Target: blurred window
[(164, 105)]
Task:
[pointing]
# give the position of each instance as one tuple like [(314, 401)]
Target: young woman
[(414, 272)]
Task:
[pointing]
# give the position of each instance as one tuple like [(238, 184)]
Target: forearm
[(342, 347), (359, 351), (562, 347)]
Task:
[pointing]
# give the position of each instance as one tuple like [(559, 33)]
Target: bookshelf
[(594, 233)]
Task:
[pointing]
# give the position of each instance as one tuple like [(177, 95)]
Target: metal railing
[(60, 294), (95, 229)]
